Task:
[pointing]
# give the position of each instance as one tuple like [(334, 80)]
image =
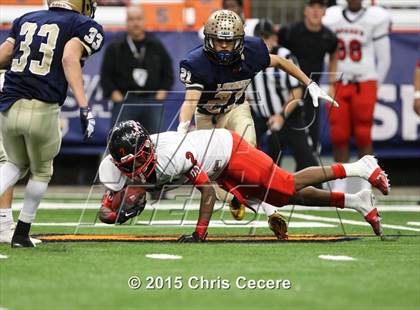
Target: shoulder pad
[(332, 15), (378, 15)]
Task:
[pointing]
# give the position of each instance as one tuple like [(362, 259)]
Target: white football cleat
[(372, 172), (368, 210), (6, 236)]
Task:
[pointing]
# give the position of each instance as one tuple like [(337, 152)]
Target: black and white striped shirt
[(270, 88)]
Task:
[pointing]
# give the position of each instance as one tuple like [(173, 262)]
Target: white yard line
[(344, 221), (195, 206), (413, 223), (336, 257), (163, 256)]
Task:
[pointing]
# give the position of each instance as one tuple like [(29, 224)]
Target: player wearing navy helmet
[(44, 53), (216, 76)]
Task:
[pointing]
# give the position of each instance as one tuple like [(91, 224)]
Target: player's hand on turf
[(193, 238), (317, 93), (87, 121)]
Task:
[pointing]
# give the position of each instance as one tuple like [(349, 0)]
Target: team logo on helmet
[(224, 25)]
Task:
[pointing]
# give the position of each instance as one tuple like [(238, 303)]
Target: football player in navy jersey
[(44, 53), (216, 76)]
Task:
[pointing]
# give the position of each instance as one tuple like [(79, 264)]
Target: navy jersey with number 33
[(39, 39), (223, 86)]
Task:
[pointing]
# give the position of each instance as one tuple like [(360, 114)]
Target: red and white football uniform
[(363, 62), (212, 155)]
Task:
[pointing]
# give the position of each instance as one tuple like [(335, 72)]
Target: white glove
[(183, 127), (316, 92)]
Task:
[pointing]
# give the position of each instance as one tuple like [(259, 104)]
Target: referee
[(310, 41), (274, 107)]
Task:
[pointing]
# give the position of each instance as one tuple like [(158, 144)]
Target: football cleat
[(6, 236), (278, 225), (369, 212), (21, 242), (374, 220), (374, 174), (237, 209)]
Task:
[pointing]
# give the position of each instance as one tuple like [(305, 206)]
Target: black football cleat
[(21, 242)]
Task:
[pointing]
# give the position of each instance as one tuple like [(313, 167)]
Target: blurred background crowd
[(136, 76)]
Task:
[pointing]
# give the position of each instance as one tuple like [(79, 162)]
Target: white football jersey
[(356, 33), (179, 156)]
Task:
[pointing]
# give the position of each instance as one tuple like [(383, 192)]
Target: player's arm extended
[(192, 96), (208, 198), (6, 52), (314, 90), (290, 68)]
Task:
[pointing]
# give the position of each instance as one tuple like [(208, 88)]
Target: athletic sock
[(6, 219), (342, 171), (9, 175), (337, 199), (268, 209), (34, 192), (22, 229), (355, 202)]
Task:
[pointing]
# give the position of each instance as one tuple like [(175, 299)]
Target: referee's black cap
[(321, 2), (264, 28)]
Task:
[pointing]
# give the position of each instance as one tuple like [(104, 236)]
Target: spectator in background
[(275, 96), (138, 62), (364, 57), (416, 104), (310, 41)]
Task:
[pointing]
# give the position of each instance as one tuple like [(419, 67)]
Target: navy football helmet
[(224, 25)]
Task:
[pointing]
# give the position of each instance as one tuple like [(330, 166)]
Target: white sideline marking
[(195, 206), (3, 257), (413, 223), (336, 257), (178, 223), (163, 256), (357, 223)]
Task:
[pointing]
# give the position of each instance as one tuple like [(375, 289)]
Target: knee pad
[(9, 175)]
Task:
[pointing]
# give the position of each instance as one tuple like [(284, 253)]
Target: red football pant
[(251, 173), (355, 114)]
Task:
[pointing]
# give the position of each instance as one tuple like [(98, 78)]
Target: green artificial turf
[(384, 274)]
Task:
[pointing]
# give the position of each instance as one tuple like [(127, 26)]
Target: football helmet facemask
[(84, 7), (224, 25), (132, 150)]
